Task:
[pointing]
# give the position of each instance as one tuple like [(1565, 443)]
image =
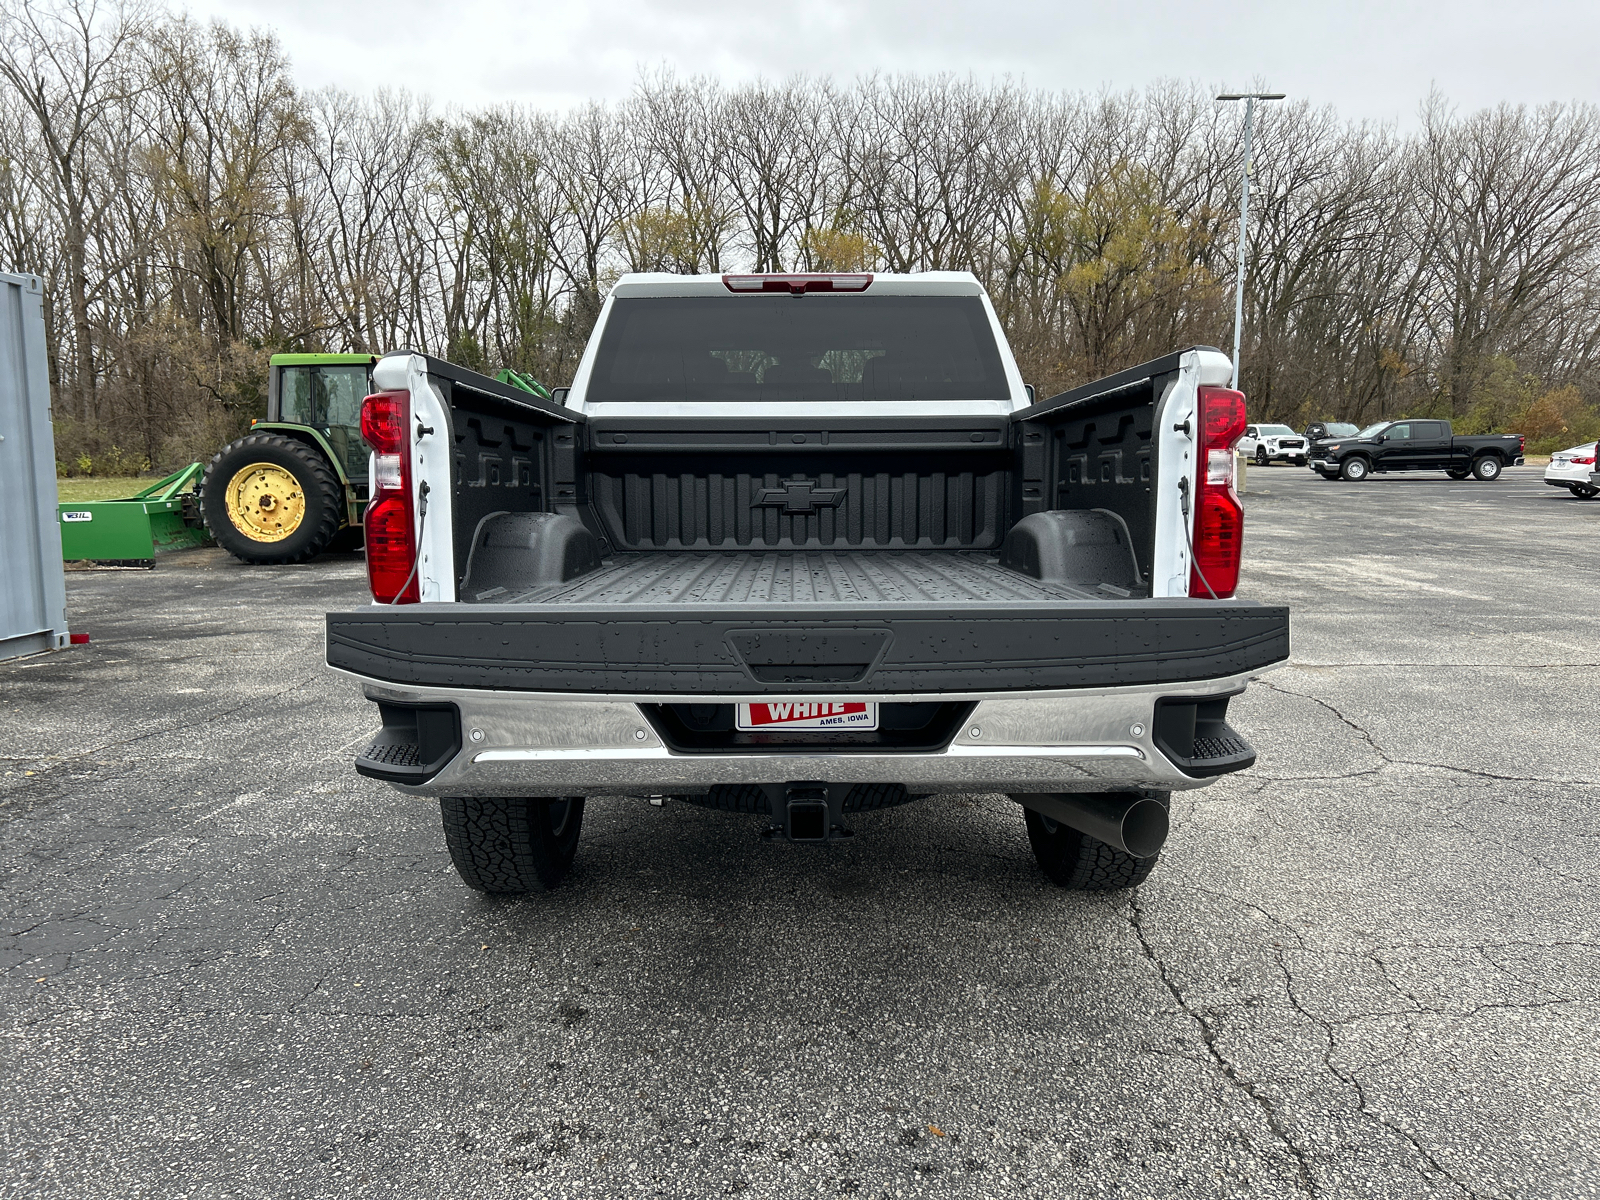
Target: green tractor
[(296, 484)]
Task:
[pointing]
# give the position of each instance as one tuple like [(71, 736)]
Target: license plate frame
[(778, 716)]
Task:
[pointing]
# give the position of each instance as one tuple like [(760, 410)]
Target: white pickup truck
[(799, 547)]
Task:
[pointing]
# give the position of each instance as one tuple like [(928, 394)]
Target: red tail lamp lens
[(1218, 515), (1221, 417), (391, 549), (384, 416), (391, 519)]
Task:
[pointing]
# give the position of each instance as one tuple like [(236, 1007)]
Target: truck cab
[(1412, 445), (1273, 443)]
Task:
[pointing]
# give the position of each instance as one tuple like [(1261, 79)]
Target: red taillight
[(797, 285), (1583, 462), (1218, 515), (390, 522), (384, 416), (1522, 441)]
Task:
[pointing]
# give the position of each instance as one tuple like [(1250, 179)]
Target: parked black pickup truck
[(801, 547), (1414, 445)]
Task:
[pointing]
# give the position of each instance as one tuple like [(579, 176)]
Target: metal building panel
[(33, 596)]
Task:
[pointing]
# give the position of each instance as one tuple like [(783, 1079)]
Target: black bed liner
[(797, 577), (814, 622)]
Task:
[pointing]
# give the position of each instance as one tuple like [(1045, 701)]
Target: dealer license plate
[(777, 715)]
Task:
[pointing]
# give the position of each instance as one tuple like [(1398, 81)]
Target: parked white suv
[(1265, 443)]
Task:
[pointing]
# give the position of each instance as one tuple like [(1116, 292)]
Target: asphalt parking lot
[(1365, 968)]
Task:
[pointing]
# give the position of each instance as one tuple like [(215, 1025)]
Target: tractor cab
[(323, 393)]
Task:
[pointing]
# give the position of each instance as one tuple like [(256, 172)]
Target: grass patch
[(80, 489)]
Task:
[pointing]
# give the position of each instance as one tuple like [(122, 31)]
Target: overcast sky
[(1369, 58)]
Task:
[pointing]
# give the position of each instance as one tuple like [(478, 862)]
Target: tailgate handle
[(811, 655)]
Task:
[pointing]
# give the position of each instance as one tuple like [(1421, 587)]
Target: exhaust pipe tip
[(1129, 822), (1144, 828)]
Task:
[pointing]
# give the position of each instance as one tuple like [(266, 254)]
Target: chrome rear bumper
[(533, 744)]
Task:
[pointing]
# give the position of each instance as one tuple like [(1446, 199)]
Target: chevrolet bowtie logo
[(798, 496)]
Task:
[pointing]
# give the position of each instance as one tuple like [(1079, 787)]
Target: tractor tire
[(508, 846), (1084, 864), (267, 498)]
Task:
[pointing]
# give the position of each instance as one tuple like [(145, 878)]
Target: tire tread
[(504, 846), (318, 475)]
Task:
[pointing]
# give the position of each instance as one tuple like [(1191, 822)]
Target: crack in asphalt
[(1351, 1080), (1229, 1070), (1328, 1027), (1366, 735), (1478, 835), (1390, 760)]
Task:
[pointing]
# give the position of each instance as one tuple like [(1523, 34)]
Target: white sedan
[(1265, 443), (1571, 469)]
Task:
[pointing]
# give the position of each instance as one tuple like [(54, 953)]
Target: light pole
[(1249, 99)]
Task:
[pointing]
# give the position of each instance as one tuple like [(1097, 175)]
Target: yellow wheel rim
[(265, 502)]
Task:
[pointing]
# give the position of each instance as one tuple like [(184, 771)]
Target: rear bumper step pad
[(708, 650)]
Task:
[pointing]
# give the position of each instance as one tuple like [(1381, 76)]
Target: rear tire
[(1084, 864), (1458, 474), (1584, 491), (510, 846), (295, 485), (1486, 468), (1355, 469)]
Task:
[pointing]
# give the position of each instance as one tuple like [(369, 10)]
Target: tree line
[(192, 210)]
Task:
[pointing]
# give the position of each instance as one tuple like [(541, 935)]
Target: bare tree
[(71, 68), (192, 210), (1511, 206)]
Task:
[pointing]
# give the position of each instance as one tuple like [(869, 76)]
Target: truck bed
[(797, 577), (808, 550), (806, 622)]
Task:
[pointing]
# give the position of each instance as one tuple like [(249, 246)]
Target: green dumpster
[(164, 516)]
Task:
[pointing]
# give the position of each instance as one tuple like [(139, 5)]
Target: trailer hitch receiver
[(806, 813), (810, 812)]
